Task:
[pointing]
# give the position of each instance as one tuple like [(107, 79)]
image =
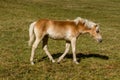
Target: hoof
[(76, 62), (58, 62), (32, 63), (53, 61)]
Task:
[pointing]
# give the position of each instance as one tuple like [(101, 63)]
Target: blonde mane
[(86, 22)]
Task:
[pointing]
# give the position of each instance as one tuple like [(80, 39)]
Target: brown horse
[(66, 30)]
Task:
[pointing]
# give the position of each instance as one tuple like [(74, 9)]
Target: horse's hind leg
[(39, 37), (34, 46), (45, 40)]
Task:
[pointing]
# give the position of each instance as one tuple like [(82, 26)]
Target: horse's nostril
[(100, 40)]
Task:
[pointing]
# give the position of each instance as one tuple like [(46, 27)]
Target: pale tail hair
[(31, 33)]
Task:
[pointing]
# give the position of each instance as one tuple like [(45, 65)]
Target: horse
[(68, 30)]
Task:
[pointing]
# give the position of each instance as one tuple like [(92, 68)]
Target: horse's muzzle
[(99, 40)]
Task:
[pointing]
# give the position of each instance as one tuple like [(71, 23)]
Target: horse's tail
[(31, 33)]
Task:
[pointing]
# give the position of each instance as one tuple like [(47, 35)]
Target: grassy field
[(97, 61)]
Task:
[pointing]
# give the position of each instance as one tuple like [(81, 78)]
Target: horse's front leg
[(67, 47), (73, 44)]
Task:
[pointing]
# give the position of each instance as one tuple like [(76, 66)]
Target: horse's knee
[(34, 46), (45, 47)]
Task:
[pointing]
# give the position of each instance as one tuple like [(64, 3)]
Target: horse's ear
[(97, 25), (97, 29), (83, 23)]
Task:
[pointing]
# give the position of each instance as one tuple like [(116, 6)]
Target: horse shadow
[(79, 56)]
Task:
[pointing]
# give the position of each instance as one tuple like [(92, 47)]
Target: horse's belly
[(56, 36)]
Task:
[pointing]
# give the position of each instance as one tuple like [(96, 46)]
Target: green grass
[(97, 61)]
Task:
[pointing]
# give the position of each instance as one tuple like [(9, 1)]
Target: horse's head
[(94, 30), (90, 27)]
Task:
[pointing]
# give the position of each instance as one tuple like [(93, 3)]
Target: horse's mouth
[(99, 40)]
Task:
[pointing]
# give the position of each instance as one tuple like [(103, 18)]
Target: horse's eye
[(97, 31)]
